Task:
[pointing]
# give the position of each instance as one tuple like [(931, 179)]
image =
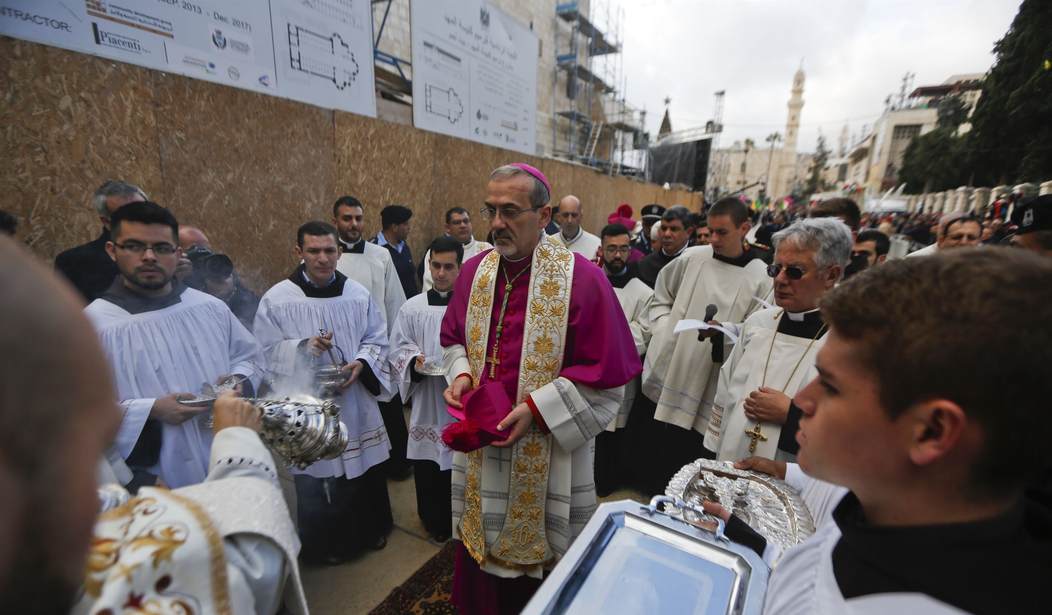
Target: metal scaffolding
[(595, 125)]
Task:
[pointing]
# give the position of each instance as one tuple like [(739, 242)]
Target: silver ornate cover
[(768, 505), (302, 429)]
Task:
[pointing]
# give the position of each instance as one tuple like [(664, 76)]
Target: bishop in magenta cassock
[(545, 324)]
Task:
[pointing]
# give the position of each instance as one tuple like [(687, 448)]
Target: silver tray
[(768, 505), (209, 392), (634, 559)]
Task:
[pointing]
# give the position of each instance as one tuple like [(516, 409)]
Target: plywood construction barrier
[(246, 168)]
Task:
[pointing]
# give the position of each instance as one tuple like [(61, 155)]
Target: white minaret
[(792, 129), (796, 103)]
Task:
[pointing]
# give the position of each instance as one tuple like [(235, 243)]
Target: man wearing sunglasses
[(775, 355), (679, 374), (163, 341)]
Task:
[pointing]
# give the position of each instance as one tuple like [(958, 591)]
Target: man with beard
[(702, 234), (675, 234), (365, 262), (535, 342), (163, 341), (373, 267), (313, 317), (634, 297), (458, 226), (680, 372), (88, 267), (48, 459)]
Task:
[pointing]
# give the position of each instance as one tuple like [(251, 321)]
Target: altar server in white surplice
[(371, 265), (458, 226), (162, 340), (366, 263), (343, 503), (680, 373), (571, 234), (416, 363), (186, 550), (753, 412), (613, 459), (918, 471)]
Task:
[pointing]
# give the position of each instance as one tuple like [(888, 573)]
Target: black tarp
[(682, 163)]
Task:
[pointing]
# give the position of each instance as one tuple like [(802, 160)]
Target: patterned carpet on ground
[(427, 591)]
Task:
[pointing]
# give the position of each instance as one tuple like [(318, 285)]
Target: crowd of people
[(542, 369)]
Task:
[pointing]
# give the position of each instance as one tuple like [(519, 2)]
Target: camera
[(208, 264)]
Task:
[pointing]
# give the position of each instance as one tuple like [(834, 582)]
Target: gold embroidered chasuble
[(158, 553), (522, 542)]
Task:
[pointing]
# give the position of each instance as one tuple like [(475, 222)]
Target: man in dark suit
[(395, 221), (88, 266)]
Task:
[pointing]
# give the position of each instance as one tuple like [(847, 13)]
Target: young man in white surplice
[(416, 363), (164, 341), (912, 458), (312, 318)]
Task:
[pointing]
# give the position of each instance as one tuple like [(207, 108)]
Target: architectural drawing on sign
[(336, 10), (443, 102), (327, 57)]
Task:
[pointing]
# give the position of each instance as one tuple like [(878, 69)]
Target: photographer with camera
[(201, 268)]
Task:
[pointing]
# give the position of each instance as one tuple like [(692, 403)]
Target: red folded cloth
[(484, 408)]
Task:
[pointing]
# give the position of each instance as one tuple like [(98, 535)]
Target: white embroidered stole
[(522, 541)]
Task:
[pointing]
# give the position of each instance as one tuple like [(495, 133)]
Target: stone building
[(873, 162)]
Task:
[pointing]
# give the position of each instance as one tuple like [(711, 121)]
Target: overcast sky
[(854, 54)]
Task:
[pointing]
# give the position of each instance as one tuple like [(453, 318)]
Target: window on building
[(905, 131)]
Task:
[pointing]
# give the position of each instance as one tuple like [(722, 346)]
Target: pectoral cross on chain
[(755, 435), (493, 362)]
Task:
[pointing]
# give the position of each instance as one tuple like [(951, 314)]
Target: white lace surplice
[(176, 349), (286, 317)]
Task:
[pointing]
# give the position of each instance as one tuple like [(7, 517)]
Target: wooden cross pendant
[(755, 435)]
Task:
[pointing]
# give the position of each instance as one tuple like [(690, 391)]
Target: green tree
[(933, 162), (1011, 136), (952, 112), (818, 164)]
